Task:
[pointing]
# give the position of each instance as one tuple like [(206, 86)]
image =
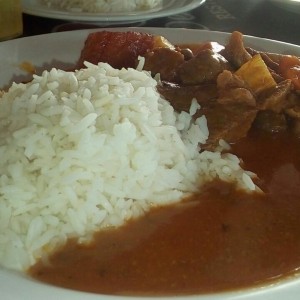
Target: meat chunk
[(270, 59), (235, 52), (293, 113), (232, 89), (236, 96), (187, 53), (181, 97), (163, 61), (204, 67), (270, 121), (229, 122), (227, 79), (276, 99)]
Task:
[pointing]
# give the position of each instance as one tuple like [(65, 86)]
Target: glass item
[(11, 22)]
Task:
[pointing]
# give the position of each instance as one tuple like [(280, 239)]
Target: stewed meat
[(233, 90), (164, 61), (202, 68), (228, 122), (235, 51), (181, 96), (276, 99), (270, 121), (215, 76)]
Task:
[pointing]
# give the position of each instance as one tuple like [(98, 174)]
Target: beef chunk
[(235, 52), (204, 67), (270, 121), (229, 122), (277, 98), (293, 114), (232, 89), (163, 61), (181, 97)]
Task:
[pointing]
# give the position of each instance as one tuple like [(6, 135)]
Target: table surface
[(261, 18)]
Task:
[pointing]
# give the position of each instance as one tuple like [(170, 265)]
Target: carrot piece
[(289, 68)]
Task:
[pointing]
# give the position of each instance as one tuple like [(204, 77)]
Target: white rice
[(103, 6), (87, 149)]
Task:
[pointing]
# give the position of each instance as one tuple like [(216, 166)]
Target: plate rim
[(42, 11), (55, 292)]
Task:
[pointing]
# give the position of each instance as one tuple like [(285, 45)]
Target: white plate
[(62, 50), (289, 5), (169, 7)]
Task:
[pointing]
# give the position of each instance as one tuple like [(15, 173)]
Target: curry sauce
[(221, 239)]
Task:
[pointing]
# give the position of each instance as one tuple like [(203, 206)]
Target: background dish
[(63, 50), (171, 7), (289, 5)]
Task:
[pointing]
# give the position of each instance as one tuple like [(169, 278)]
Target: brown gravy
[(221, 239)]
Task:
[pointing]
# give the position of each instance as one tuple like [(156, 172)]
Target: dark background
[(260, 18)]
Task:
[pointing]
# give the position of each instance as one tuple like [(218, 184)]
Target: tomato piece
[(119, 49), (289, 68)]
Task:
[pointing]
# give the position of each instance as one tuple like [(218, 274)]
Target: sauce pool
[(221, 239)]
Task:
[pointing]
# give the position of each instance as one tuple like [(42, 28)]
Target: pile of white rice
[(102, 6), (83, 150)]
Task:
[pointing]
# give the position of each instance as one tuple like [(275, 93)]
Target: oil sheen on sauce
[(221, 239)]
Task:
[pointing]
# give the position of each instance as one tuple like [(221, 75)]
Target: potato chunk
[(256, 74)]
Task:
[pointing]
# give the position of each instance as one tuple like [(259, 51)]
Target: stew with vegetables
[(222, 238)]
